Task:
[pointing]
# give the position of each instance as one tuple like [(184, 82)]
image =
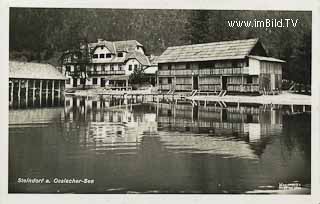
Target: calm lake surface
[(158, 146)]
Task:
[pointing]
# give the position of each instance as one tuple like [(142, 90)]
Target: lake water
[(158, 146)]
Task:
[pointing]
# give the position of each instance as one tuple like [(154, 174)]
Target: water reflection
[(132, 145)]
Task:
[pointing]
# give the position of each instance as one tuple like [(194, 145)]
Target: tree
[(197, 27), (138, 77)]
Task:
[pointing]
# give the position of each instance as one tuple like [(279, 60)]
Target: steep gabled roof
[(143, 59), (31, 70), (236, 49), (117, 46), (127, 45)]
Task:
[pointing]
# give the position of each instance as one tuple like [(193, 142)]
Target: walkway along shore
[(284, 98)]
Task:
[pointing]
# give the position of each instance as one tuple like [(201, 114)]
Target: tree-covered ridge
[(42, 34)]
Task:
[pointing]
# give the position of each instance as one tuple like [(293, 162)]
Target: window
[(111, 67), (130, 67), (101, 56), (68, 68), (95, 81), (95, 56), (68, 81), (120, 54), (169, 67), (135, 67), (169, 80), (120, 67), (160, 81), (249, 79), (103, 67), (247, 62), (108, 55), (94, 67), (188, 66), (82, 81)]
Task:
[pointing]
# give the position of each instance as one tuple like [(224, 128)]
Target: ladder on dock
[(222, 93), (171, 91), (194, 92)]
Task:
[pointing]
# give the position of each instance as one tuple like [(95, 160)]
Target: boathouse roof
[(236, 49), (31, 70), (268, 59)]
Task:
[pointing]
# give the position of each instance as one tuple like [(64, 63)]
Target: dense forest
[(42, 34)]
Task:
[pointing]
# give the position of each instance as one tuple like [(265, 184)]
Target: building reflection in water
[(130, 144), (239, 130)]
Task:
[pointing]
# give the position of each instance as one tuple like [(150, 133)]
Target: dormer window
[(108, 55), (120, 54), (101, 55), (95, 56)]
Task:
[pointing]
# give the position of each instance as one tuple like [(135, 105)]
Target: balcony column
[(241, 82), (126, 84)]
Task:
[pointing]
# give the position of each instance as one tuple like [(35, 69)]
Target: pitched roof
[(117, 46), (31, 70), (269, 59), (153, 60), (151, 70), (144, 60), (236, 49), (127, 45)]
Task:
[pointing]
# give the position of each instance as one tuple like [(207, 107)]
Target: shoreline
[(284, 98)]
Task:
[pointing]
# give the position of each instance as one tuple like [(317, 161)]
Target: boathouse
[(220, 67), (29, 81)]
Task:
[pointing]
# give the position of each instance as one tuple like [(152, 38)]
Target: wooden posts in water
[(47, 90), (52, 90), (11, 91), (19, 92), (40, 92), (34, 92), (27, 89), (59, 90)]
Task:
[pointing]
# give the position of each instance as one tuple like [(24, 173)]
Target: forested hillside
[(42, 34)]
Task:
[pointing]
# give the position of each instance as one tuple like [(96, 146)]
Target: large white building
[(104, 64)]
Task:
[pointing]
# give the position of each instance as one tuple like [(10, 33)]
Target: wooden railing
[(165, 86), (108, 72), (243, 87), (94, 73), (202, 72), (183, 87)]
